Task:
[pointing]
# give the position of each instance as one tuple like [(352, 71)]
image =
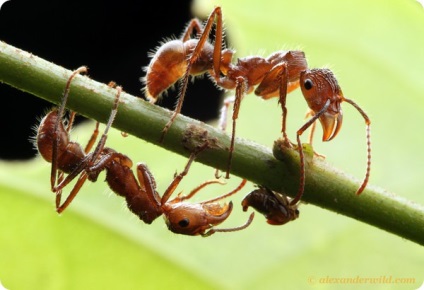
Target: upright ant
[(68, 157), (277, 208), (275, 76)]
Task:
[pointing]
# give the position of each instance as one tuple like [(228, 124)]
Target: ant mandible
[(277, 208), (274, 76), (68, 157)]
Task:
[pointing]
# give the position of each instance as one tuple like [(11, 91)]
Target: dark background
[(111, 38)]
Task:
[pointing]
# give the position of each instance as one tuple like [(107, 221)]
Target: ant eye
[(308, 84), (184, 222)]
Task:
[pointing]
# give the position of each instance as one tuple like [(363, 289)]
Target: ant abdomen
[(169, 64), (69, 153)]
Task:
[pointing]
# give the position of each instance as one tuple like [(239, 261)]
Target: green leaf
[(376, 50)]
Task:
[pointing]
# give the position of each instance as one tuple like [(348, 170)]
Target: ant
[(275, 76), (68, 157), (177, 59), (277, 208)]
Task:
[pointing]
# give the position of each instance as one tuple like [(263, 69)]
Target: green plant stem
[(326, 186)]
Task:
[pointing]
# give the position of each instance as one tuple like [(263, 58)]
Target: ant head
[(194, 219), (323, 95)]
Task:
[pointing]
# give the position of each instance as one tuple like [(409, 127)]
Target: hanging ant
[(68, 157), (277, 208), (275, 76)]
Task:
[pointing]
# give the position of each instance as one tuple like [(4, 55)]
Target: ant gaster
[(277, 208), (68, 157)]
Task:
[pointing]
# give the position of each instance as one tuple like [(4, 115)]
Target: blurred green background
[(376, 50)]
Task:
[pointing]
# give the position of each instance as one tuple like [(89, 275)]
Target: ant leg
[(198, 188), (74, 191), (112, 116), (223, 118), (282, 100), (237, 189), (195, 54), (177, 179), (311, 121), (53, 174), (101, 163), (70, 121), (309, 114), (218, 40), (368, 124), (239, 228), (179, 105), (240, 89), (148, 184), (148, 176), (206, 183), (194, 24), (93, 138), (95, 134), (59, 192)]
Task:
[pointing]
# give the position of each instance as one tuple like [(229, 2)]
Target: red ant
[(277, 208), (68, 157), (274, 76)]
